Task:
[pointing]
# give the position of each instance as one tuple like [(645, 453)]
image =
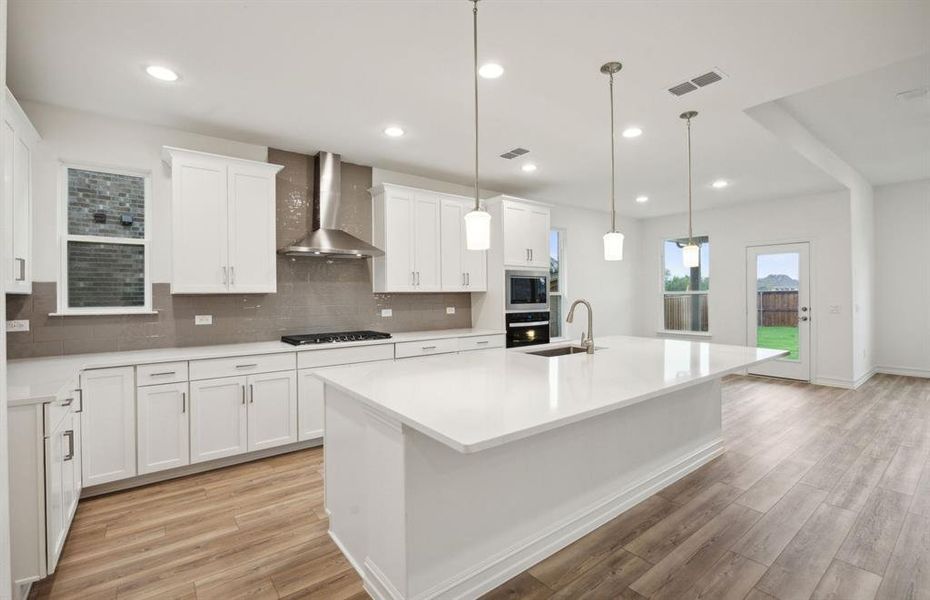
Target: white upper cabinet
[(463, 270), (526, 234), (223, 224), (405, 225), (18, 138)]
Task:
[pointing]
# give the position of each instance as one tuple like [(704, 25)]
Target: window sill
[(705, 334), (102, 312)]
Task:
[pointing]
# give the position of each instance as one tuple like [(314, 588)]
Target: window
[(106, 229), (556, 281), (684, 290)]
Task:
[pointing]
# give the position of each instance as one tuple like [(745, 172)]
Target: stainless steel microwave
[(526, 290)]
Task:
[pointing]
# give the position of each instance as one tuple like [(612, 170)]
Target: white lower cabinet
[(272, 410), (164, 427), (310, 405), (218, 419), (109, 425)]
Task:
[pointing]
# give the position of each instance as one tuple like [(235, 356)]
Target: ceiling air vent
[(696, 83), (510, 154)]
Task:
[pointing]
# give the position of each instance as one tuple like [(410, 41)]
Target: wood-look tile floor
[(822, 493)]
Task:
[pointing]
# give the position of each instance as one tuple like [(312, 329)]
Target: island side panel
[(475, 520)]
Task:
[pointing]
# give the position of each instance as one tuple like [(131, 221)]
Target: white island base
[(420, 519)]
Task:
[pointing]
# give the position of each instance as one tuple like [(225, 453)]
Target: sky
[(777, 264)]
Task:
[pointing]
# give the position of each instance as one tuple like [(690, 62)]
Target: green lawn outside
[(779, 338)]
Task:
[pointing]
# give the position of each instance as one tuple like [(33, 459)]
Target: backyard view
[(777, 303)]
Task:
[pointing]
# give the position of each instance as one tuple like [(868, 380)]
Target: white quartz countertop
[(477, 400), (33, 380)]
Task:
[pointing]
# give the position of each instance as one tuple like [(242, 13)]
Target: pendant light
[(613, 239), (691, 254), (477, 221)]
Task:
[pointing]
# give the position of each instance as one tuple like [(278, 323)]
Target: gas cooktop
[(330, 338)]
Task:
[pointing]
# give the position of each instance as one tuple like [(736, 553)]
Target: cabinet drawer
[(172, 372), (425, 348), (480, 342), (241, 365), (344, 356)]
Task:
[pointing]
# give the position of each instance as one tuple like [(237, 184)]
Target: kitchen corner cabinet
[(463, 270), (18, 138), (405, 224), (223, 224), (108, 425), (526, 234), (164, 426)]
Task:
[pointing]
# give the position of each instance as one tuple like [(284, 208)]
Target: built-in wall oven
[(527, 328), (526, 290)]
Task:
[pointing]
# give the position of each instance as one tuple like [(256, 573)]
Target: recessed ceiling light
[(528, 168), (632, 132), (393, 131), (491, 70), (642, 199), (161, 73), (720, 183)]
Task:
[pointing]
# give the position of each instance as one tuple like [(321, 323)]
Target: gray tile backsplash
[(314, 295)]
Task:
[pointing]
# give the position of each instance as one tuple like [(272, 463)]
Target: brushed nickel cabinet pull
[(232, 275), (183, 402), (80, 394), (482, 342), (429, 347), (225, 277), (251, 394), (22, 269), (163, 373), (70, 435), (243, 395), (246, 366)]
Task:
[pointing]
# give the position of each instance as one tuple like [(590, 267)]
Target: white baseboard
[(834, 382), (512, 561), (905, 371), (868, 375)]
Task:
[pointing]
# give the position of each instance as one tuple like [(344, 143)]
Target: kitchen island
[(445, 476)]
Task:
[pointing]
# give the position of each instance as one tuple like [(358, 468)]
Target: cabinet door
[(21, 222), (69, 491), (164, 427), (426, 242), (309, 406), (54, 503), (218, 418), (516, 234), (10, 265), (108, 425), (399, 267), (272, 409), (252, 267), (538, 236), (452, 251), (199, 240)]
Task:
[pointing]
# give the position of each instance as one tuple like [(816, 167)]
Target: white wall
[(823, 220), (74, 136), (902, 277), (862, 240), (609, 286)]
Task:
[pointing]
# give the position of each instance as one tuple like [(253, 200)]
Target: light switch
[(450, 310), (834, 309), (387, 312), (18, 325), (203, 319)]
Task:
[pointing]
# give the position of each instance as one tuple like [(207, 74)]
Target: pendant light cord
[(475, 40), (690, 230), (613, 142)]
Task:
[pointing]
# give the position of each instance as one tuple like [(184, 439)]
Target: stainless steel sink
[(560, 351)]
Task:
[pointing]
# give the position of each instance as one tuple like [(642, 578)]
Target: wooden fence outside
[(777, 308), (681, 309)]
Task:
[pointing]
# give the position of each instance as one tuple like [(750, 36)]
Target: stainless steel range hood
[(325, 239)]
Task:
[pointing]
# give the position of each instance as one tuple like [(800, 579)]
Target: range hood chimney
[(325, 239)]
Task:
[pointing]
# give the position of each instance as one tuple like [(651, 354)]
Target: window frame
[(64, 237), (662, 293), (561, 293)]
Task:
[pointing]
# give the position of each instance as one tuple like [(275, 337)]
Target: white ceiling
[(310, 75), (861, 119)]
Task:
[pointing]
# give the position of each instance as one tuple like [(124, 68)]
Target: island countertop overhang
[(478, 400)]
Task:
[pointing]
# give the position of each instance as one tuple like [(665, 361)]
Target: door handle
[(22, 269), (183, 402), (80, 394), (468, 279), (251, 394), (418, 278), (232, 275), (805, 319), (70, 435), (463, 278), (225, 277), (243, 395), (531, 255)]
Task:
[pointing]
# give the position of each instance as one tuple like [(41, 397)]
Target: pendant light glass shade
[(477, 230), (477, 221), (613, 245), (691, 255)]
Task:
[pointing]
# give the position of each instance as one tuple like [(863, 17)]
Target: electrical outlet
[(450, 310), (18, 325), (203, 319), (387, 312)]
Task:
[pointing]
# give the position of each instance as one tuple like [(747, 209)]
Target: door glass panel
[(777, 283)]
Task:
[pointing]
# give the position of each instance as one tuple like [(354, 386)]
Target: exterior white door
[(779, 308), (309, 405), (252, 267), (109, 425), (426, 242), (164, 427), (200, 226), (218, 418), (272, 410)]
